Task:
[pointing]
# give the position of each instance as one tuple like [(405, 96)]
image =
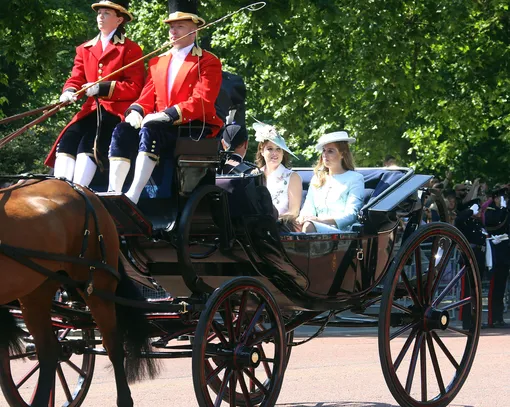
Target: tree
[(424, 80), (36, 55)]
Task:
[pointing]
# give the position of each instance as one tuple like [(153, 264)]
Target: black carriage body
[(237, 279), (303, 271)]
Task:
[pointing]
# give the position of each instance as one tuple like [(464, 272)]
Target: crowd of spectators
[(480, 212)]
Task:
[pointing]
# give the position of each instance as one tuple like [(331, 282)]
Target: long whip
[(54, 108)]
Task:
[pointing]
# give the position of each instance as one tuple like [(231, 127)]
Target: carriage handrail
[(409, 172), (414, 182)]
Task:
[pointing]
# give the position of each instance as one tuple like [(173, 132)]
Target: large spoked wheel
[(430, 317), (19, 373), (240, 347)]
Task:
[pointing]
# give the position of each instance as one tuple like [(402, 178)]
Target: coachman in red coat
[(72, 154), (181, 88)]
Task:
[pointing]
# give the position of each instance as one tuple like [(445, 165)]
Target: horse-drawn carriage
[(240, 286)]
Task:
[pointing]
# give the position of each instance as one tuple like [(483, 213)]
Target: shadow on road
[(306, 331), (349, 404), (340, 404)]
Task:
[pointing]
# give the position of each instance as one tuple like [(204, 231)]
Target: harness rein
[(22, 255)]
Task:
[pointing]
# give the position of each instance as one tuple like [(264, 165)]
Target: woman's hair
[(347, 163), (121, 28), (259, 158)]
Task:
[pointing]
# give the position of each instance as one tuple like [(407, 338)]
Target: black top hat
[(234, 135), (184, 10), (119, 5)]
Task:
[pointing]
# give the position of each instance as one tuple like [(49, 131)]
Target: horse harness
[(22, 255)]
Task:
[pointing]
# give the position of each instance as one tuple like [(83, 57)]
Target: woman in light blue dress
[(335, 195)]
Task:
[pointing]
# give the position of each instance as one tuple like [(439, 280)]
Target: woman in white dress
[(273, 159), (335, 195)]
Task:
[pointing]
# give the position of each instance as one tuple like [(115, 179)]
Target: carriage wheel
[(242, 354), (430, 317), (19, 374)]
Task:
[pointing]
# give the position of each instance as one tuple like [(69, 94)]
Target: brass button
[(99, 77), (100, 65), (100, 71)]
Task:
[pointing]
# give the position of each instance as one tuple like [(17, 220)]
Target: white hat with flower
[(266, 132)]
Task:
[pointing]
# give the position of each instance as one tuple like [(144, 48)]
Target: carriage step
[(128, 218)]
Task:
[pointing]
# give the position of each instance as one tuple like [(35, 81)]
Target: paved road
[(340, 369)]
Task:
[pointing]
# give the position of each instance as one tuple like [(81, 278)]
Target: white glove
[(68, 97), (475, 208), (156, 117), (93, 90), (134, 119), (503, 202), (496, 239)]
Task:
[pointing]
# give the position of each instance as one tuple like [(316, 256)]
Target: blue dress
[(340, 198)]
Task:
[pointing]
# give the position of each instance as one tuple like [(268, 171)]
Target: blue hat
[(266, 132)]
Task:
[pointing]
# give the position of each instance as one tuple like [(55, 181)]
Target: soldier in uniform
[(468, 221), (498, 224), (89, 132), (235, 142), (181, 88)]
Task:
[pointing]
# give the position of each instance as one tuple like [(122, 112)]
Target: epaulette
[(92, 42), (119, 40), (240, 168), (196, 51)]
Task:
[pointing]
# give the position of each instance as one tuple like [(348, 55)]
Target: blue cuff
[(172, 113), (136, 108), (105, 89)]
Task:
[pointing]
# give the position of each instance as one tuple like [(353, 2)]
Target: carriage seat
[(194, 163), (377, 180)]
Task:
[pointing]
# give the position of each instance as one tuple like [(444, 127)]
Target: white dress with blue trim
[(278, 185)]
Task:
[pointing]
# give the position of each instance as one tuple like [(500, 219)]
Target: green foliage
[(423, 80), (36, 55)]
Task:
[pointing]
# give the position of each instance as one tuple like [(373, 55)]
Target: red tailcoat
[(91, 64), (192, 95)]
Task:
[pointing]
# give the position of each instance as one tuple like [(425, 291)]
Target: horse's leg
[(105, 316), (36, 308)]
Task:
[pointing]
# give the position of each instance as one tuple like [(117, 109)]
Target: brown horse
[(49, 216)]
